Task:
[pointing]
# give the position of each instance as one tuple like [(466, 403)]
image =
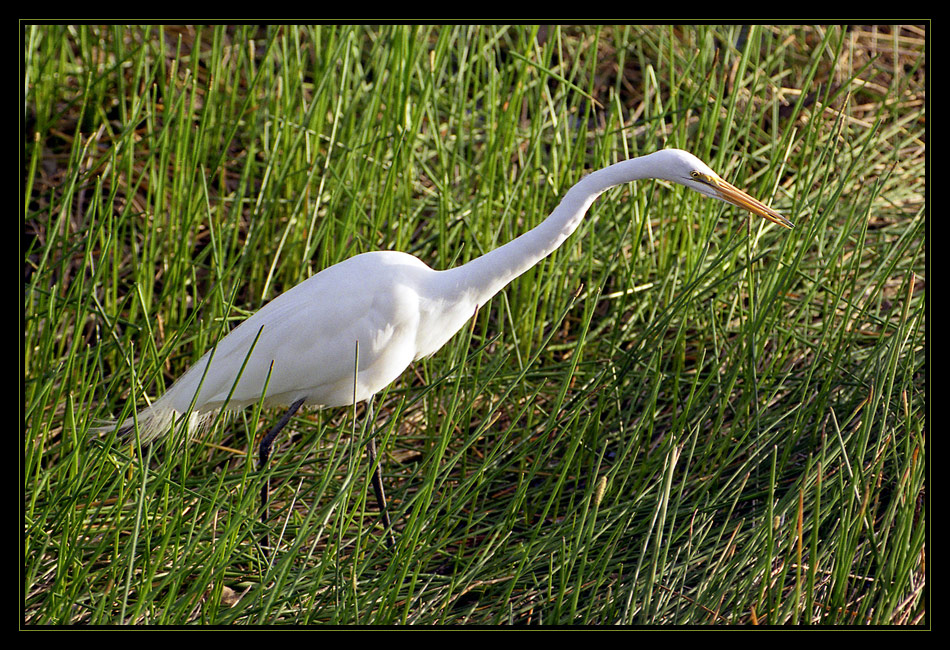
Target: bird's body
[(393, 306), (319, 366)]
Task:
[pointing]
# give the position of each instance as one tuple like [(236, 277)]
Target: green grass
[(681, 417)]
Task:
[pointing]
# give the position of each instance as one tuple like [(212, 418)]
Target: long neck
[(485, 276)]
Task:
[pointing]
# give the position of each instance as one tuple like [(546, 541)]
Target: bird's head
[(686, 169)]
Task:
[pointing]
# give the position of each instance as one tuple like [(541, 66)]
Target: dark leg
[(377, 480), (265, 454)]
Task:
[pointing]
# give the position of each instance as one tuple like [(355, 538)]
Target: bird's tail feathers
[(156, 421)]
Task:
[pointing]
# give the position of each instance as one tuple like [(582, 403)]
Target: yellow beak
[(735, 196)]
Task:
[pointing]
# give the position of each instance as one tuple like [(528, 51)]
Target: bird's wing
[(306, 343)]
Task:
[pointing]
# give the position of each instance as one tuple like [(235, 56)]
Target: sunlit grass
[(682, 416)]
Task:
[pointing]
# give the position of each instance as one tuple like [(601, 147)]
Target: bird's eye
[(695, 174)]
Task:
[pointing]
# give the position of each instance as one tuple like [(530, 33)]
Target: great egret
[(396, 309)]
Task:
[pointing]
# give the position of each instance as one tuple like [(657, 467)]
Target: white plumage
[(394, 305)]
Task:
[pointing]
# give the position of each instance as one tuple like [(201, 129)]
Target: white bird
[(299, 349)]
